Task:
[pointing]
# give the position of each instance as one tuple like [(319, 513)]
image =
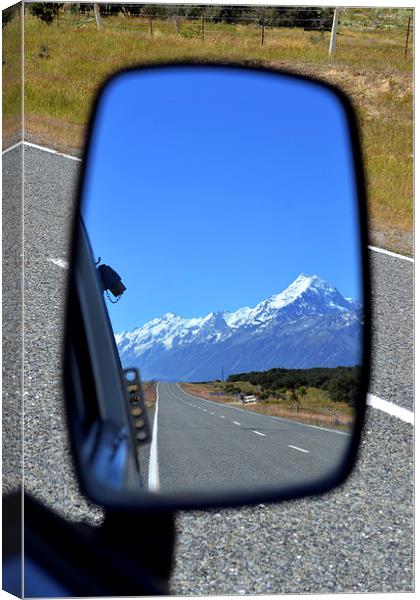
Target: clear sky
[(212, 189)]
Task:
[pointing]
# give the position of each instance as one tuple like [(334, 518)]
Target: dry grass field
[(67, 62), (315, 408)]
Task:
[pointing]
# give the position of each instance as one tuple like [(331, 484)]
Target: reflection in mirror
[(222, 211)]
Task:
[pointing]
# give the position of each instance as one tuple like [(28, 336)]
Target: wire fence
[(264, 25)]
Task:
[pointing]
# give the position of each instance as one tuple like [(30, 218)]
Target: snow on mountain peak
[(300, 286), (293, 291), (308, 324), (307, 294)]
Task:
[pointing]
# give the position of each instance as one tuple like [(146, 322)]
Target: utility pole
[(333, 34), (202, 26), (223, 374), (407, 37), (97, 16), (263, 28)]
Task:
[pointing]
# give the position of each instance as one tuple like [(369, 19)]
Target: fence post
[(263, 28), (97, 15), (151, 26), (333, 34), (202, 27), (407, 37)]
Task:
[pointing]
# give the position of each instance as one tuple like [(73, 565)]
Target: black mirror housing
[(93, 371)]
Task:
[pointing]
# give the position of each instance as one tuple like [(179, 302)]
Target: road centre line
[(391, 409), (297, 448), (51, 151), (78, 159), (59, 262), (271, 416), (69, 156), (153, 458), (371, 400), (42, 148), (11, 148), (236, 423), (389, 253)]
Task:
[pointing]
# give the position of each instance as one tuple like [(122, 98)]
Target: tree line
[(341, 383), (308, 18)]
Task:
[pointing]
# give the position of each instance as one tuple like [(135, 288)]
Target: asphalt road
[(356, 538), (207, 445)]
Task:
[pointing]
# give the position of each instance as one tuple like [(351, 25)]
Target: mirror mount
[(111, 281), (137, 405)]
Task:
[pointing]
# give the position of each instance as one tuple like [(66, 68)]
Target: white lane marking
[(389, 253), (51, 151), (205, 409), (391, 409), (258, 432), (212, 413), (222, 417), (11, 148), (373, 401), (59, 262), (153, 459), (248, 412), (297, 448)]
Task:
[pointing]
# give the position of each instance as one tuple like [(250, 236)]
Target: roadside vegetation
[(323, 397), (68, 59), (149, 393)]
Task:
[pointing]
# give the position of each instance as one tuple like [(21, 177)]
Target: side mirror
[(231, 202)]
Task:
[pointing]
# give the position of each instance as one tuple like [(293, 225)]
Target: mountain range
[(309, 324)]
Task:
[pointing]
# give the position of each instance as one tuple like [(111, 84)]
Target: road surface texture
[(208, 445), (357, 538)]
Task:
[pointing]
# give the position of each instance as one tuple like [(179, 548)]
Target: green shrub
[(45, 11)]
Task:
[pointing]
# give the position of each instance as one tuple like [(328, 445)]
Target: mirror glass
[(225, 202)]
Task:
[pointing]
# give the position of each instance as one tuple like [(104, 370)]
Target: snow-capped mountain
[(309, 324)]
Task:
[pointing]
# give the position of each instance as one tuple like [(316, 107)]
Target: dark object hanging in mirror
[(111, 280)]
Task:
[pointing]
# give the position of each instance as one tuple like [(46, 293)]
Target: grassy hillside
[(66, 62)]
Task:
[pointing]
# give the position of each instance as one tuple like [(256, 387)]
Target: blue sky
[(211, 189)]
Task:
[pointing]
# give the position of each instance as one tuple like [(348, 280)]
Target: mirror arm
[(97, 561)]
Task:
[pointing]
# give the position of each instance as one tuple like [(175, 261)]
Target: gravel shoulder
[(356, 539), (12, 312), (392, 369)]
